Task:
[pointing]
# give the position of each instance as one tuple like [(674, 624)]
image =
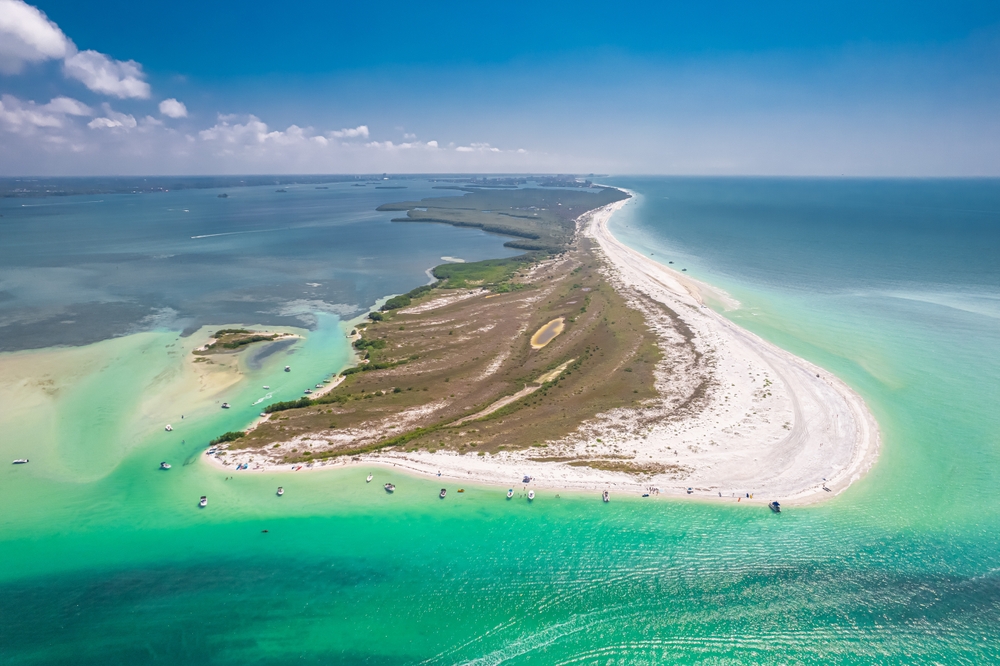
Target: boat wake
[(266, 397)]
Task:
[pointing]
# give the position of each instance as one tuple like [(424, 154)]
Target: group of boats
[(775, 506)]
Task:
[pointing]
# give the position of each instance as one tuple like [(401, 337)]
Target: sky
[(708, 88)]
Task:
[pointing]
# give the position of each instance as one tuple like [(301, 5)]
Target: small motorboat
[(531, 495), (267, 388), (510, 493), (389, 488), (288, 368), (225, 405), (307, 391), (369, 479), (20, 461), (203, 502), (319, 386), (461, 490), (281, 491), (645, 494), (168, 428), (774, 506), (164, 465), (444, 491), (606, 497)]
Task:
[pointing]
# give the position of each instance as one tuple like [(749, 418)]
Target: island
[(580, 363), (229, 340)]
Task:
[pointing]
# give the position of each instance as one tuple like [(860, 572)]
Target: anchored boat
[(606, 497), (225, 405), (288, 368), (774, 506), (164, 465), (20, 461), (168, 428), (531, 495), (203, 502), (389, 488), (510, 493), (281, 491), (444, 491), (369, 479)]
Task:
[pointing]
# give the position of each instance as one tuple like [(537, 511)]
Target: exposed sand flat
[(734, 413)]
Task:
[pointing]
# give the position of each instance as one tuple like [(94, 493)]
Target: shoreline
[(828, 439)]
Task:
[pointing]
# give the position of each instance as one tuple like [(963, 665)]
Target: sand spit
[(735, 415)]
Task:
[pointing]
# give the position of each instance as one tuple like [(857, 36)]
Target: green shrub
[(230, 436)]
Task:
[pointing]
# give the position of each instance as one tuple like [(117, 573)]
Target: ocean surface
[(892, 285)]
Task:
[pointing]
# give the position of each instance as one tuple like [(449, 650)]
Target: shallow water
[(84, 268), (893, 285)]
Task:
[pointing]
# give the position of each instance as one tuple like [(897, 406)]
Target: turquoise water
[(893, 285)]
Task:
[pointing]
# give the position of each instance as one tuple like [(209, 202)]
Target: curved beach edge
[(835, 439)]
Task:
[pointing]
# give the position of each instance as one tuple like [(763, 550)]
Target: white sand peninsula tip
[(771, 423)]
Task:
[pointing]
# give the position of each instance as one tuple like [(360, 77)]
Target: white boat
[(607, 496), (288, 368), (164, 465), (203, 502), (307, 391), (281, 491), (510, 493), (168, 428), (369, 479), (389, 487), (531, 495), (225, 405), (319, 386), (444, 491), (20, 461), (267, 388)]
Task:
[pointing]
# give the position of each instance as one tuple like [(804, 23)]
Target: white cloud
[(432, 144), (24, 118), (106, 75), (409, 136), (26, 35), (171, 108), (69, 107), (255, 132), (113, 120), (351, 133), (478, 148)]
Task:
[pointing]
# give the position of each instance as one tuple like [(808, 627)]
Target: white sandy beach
[(736, 414)]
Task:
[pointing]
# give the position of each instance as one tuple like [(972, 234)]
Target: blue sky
[(910, 89)]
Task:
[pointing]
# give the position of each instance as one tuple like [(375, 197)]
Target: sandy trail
[(765, 422)]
